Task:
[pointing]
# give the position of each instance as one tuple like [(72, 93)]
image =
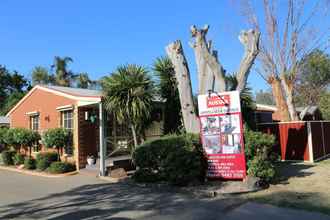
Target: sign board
[(222, 134)]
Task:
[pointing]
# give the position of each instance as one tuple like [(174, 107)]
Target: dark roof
[(309, 110)]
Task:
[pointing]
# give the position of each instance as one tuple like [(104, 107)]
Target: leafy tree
[(57, 138), (11, 85), (168, 90), (128, 95), (313, 78), (265, 97), (324, 105), (40, 75), (63, 77), (11, 101)]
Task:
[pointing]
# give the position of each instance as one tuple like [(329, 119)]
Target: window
[(67, 119), (34, 122)]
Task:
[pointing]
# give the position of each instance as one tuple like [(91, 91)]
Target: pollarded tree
[(128, 95), (211, 74)]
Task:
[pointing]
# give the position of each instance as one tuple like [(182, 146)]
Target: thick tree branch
[(206, 57), (182, 74), (250, 40)]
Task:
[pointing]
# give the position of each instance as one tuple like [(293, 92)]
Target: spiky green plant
[(128, 95)]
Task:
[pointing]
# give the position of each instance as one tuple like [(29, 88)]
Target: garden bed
[(36, 173)]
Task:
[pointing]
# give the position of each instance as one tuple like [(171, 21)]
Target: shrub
[(43, 160), (29, 163), (3, 132), (57, 138), (177, 159), (61, 167), (146, 176), (260, 155), (7, 157), (18, 159), (261, 168)]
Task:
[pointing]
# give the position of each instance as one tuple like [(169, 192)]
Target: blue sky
[(100, 35)]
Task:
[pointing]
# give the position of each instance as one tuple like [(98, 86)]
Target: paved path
[(85, 197)]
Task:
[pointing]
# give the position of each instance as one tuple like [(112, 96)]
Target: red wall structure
[(303, 140)]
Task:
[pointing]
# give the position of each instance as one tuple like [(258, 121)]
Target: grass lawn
[(300, 185)]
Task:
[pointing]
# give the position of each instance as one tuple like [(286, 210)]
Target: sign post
[(222, 134)]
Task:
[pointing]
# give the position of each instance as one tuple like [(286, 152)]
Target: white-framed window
[(67, 119), (34, 122)]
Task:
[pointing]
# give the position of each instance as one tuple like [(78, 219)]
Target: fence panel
[(292, 139)]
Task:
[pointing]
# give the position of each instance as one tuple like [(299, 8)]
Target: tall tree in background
[(128, 95), (63, 77), (40, 75), (83, 81), (313, 78), (284, 41), (164, 70), (209, 68), (265, 97), (13, 86)]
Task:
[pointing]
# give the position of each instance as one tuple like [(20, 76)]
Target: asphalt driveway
[(86, 197)]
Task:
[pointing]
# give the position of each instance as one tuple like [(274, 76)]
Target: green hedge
[(177, 159), (7, 157), (260, 155), (29, 163), (43, 160), (61, 167)]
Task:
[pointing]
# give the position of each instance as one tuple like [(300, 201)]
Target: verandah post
[(102, 146)]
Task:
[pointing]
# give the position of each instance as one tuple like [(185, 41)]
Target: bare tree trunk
[(250, 40), (288, 91), (280, 102), (206, 57), (182, 74), (205, 76)]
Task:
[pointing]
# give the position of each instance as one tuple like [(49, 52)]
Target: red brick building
[(75, 109)]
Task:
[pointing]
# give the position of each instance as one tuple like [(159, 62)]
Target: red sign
[(222, 135), (218, 101)]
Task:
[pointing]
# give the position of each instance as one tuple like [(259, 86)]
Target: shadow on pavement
[(113, 201)]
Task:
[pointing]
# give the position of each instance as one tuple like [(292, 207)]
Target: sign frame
[(222, 142)]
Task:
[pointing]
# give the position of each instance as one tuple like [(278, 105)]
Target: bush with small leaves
[(260, 154), (61, 167), (18, 159), (3, 144), (43, 160), (29, 163), (7, 157), (176, 159)]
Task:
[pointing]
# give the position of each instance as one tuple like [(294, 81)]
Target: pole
[(102, 147)]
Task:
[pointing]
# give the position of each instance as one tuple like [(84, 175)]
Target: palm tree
[(83, 81), (63, 77), (40, 75), (168, 90), (128, 95)]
